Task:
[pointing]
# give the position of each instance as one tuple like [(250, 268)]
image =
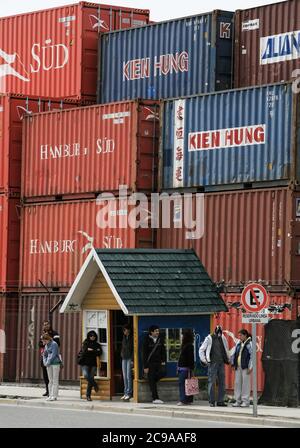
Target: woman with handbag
[(186, 364), (87, 358)]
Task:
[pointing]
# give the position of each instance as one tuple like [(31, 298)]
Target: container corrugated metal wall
[(8, 336), (54, 52), (33, 310), (2, 336), (168, 59), (91, 149), (56, 238), (267, 44), (235, 137), (231, 323), (9, 243), (13, 108), (249, 235)]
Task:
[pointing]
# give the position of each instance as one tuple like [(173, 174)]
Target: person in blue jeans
[(91, 349), (186, 364), (127, 361), (214, 353)]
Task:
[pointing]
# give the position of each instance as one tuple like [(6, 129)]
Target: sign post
[(255, 301), (254, 375)]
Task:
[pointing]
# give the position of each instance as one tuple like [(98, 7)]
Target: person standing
[(214, 353), (52, 362), (154, 360), (127, 361), (91, 349), (241, 361), (47, 329), (186, 364)]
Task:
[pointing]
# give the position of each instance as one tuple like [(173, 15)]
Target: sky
[(160, 9)]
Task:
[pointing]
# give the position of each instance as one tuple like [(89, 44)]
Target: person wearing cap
[(214, 354)]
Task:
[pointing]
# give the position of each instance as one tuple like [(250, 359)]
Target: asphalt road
[(16, 416)]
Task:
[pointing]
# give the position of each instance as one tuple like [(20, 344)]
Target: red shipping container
[(53, 52), (9, 243), (267, 44), (13, 108), (33, 310), (249, 235), (8, 336), (90, 149), (231, 323), (57, 237)]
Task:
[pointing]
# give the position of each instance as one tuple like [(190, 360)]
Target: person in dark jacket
[(154, 360), (241, 361), (186, 364), (91, 349), (47, 329), (127, 360)]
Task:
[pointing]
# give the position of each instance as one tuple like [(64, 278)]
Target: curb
[(164, 412)]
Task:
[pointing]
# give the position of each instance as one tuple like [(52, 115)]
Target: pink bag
[(191, 386)]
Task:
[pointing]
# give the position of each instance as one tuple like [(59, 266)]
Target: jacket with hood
[(246, 356), (89, 357), (205, 350)]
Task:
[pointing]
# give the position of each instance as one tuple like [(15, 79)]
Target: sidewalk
[(69, 399)]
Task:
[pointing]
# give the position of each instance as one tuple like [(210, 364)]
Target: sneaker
[(212, 405), (48, 399), (222, 404), (123, 398), (180, 403), (236, 405), (244, 405), (46, 394), (126, 398), (51, 399), (158, 401), (88, 399)]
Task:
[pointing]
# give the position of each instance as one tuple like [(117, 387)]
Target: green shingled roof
[(161, 281)]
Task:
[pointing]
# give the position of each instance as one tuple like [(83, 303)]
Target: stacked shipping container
[(89, 150), (248, 235), (73, 157), (58, 59), (232, 138), (231, 143), (181, 57), (220, 143), (267, 44)]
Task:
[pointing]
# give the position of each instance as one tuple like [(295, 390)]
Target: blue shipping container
[(232, 137), (186, 56)]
